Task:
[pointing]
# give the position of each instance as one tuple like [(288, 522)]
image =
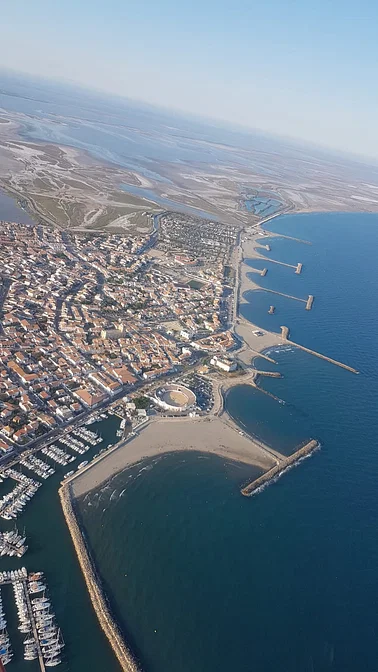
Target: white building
[(224, 364)]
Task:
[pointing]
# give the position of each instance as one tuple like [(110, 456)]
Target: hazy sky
[(305, 68)]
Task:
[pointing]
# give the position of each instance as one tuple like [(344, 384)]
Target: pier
[(34, 626), (258, 271), (98, 599), (281, 235), (35, 617), (287, 296), (297, 268), (281, 263), (285, 336), (267, 374), (281, 465), (327, 359), (310, 301), (12, 544)]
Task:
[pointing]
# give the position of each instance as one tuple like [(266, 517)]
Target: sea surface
[(201, 578)]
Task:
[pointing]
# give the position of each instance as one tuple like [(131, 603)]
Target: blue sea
[(203, 579)]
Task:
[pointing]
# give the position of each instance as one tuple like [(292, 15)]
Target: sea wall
[(98, 599), (272, 474)]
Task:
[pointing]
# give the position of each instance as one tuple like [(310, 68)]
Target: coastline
[(253, 345), (210, 435), (303, 495), (244, 328), (217, 434), (96, 593)]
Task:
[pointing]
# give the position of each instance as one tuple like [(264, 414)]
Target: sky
[(305, 69)]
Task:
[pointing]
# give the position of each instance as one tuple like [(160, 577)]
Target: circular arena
[(175, 398)]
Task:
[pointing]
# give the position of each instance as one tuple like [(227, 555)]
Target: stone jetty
[(281, 466), (98, 599)]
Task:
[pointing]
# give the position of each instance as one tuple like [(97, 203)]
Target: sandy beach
[(211, 435), (244, 328)]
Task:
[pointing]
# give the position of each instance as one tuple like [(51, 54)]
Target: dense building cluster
[(202, 242), (86, 318)]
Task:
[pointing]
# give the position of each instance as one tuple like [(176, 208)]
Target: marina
[(38, 466), (12, 544), (43, 521), (68, 596), (36, 620), (6, 654), (58, 455), (13, 503), (76, 441)]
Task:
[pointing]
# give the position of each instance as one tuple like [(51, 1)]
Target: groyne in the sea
[(281, 466), (287, 296), (297, 267), (98, 599), (309, 302), (285, 336)]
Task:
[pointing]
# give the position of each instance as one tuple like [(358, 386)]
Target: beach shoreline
[(214, 434), (210, 435), (217, 433), (254, 345)]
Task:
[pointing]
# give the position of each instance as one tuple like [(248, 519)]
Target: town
[(87, 319)]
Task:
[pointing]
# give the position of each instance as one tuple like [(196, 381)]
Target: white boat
[(52, 662)]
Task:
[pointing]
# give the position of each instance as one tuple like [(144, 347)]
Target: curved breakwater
[(96, 593)]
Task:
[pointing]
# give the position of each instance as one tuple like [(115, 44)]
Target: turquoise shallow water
[(204, 579)]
